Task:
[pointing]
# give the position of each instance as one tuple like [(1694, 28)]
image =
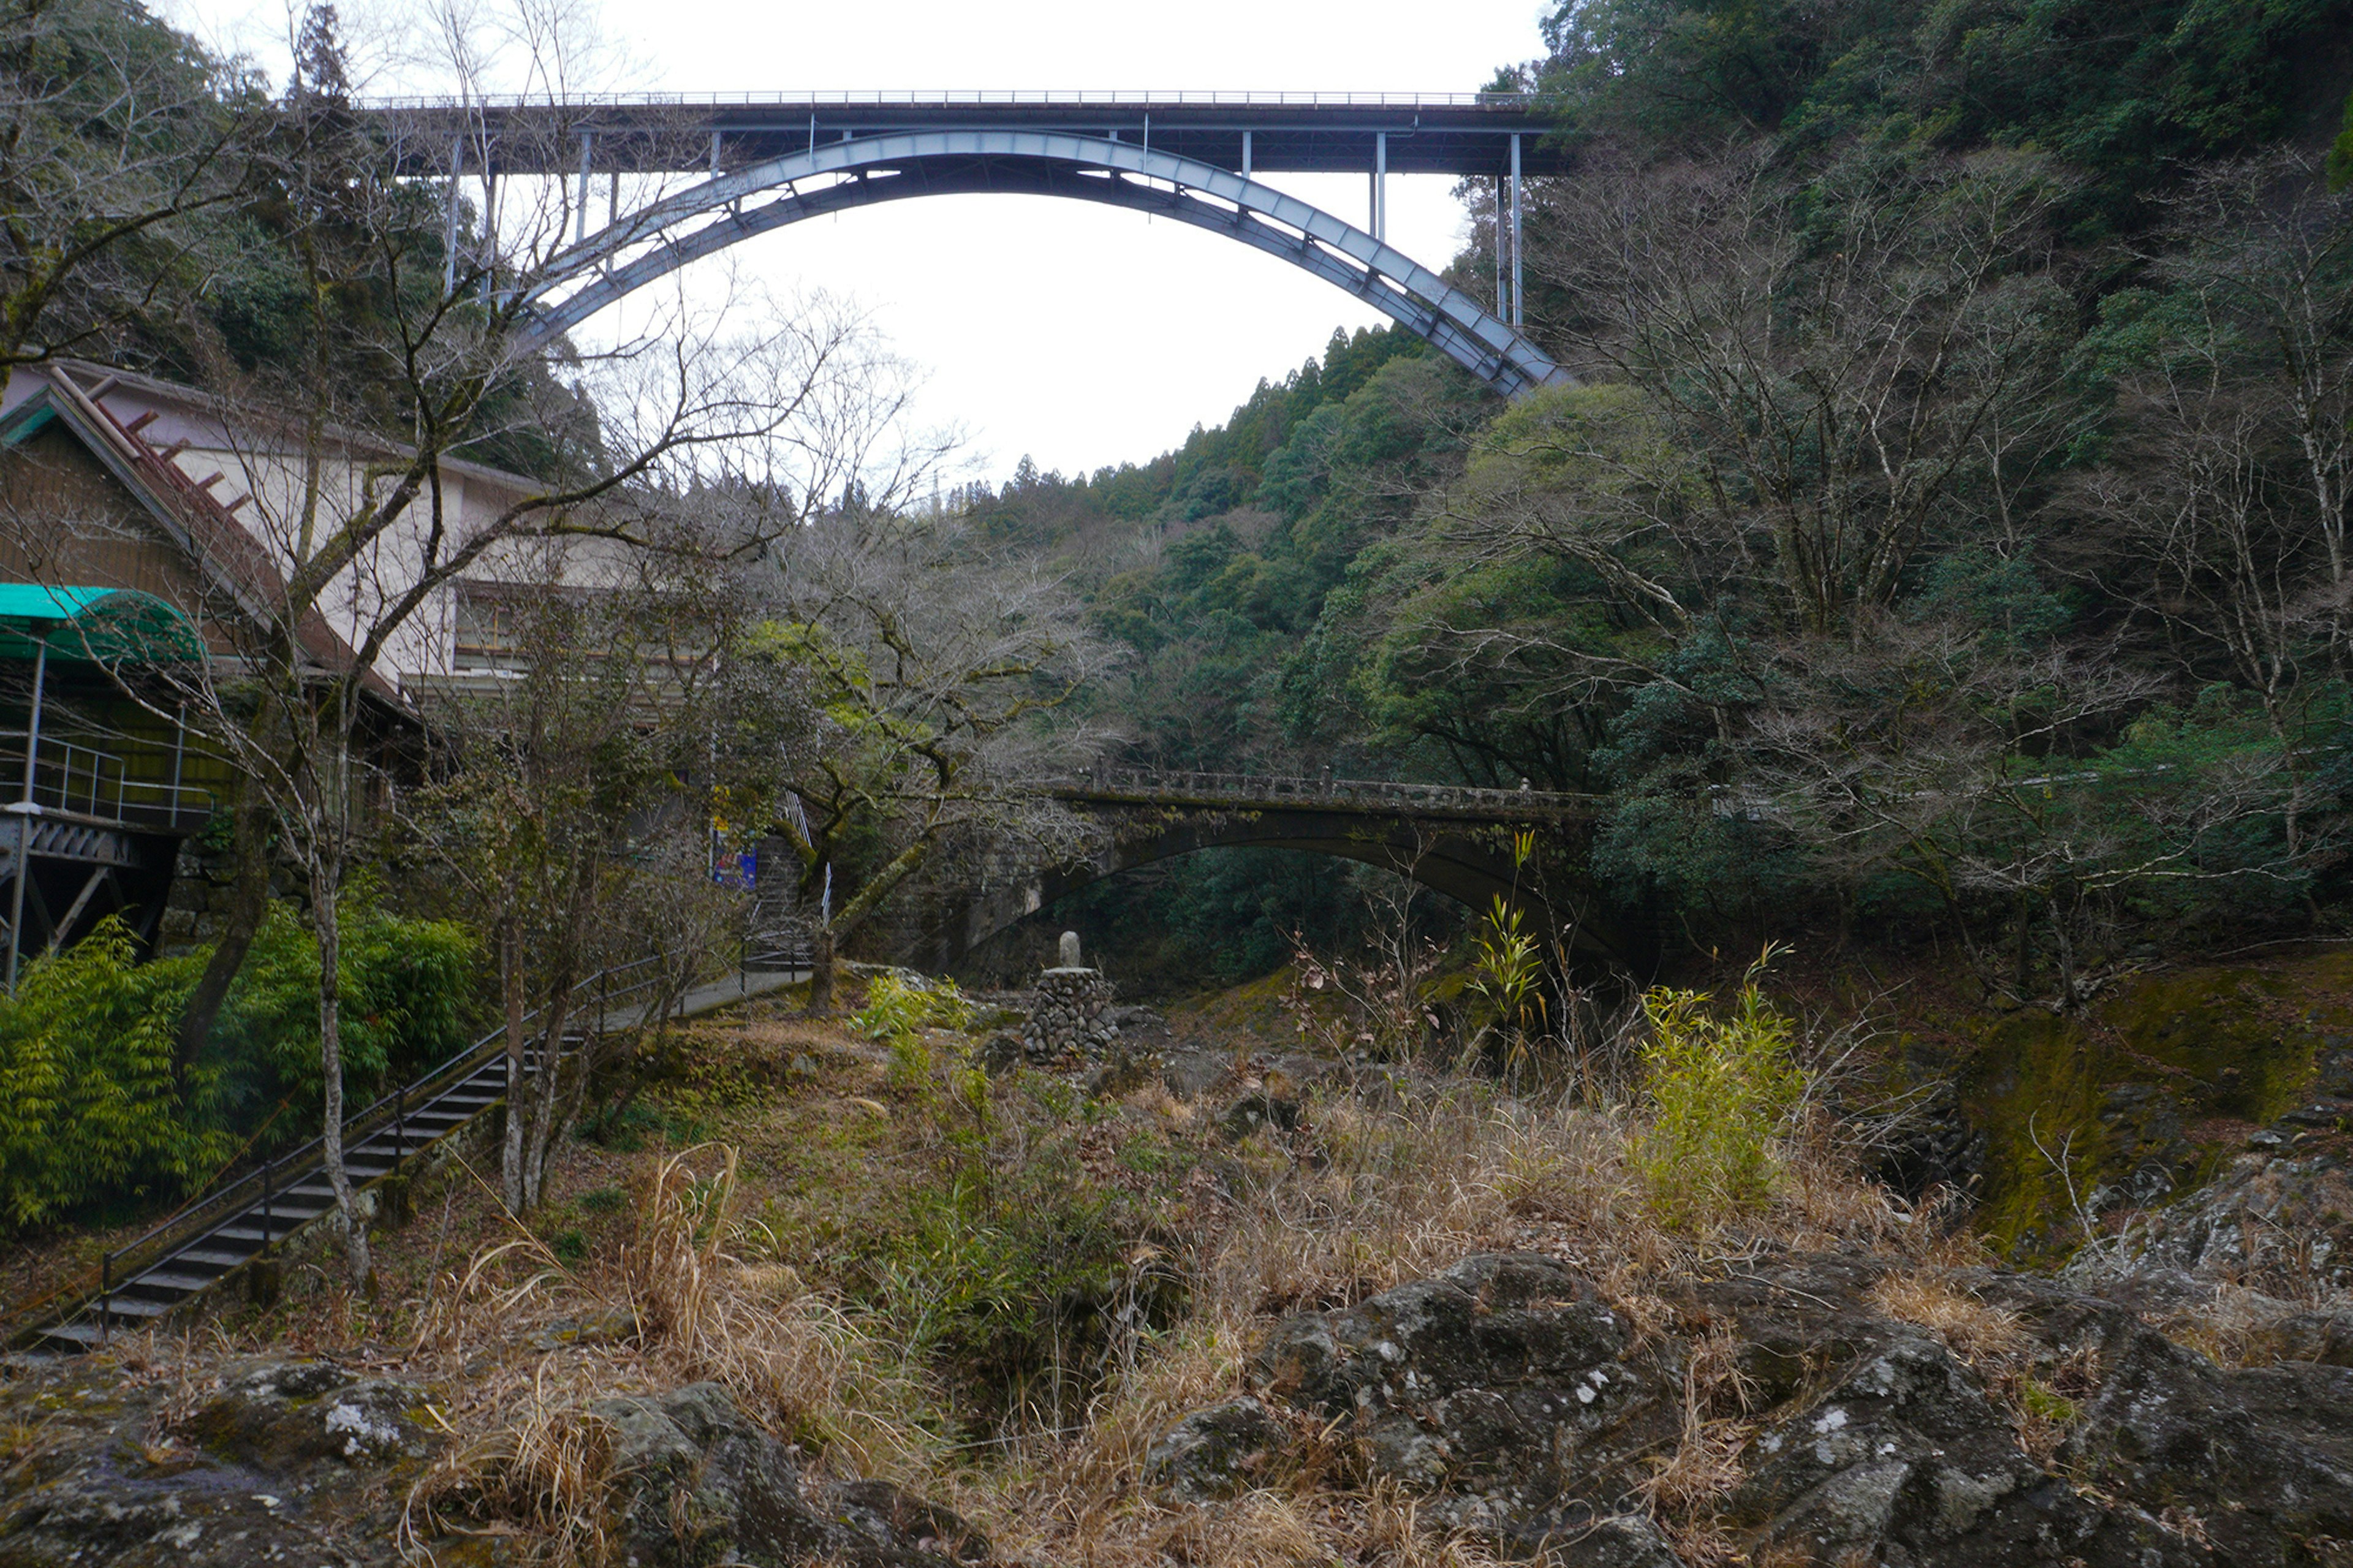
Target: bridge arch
[(727, 208)]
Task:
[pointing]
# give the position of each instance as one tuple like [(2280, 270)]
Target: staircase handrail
[(187, 1224)]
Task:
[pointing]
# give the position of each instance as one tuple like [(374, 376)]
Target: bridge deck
[(1368, 797), (1429, 133)]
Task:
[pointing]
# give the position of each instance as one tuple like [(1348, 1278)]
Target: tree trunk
[(248, 905), (510, 983), (820, 997), (326, 920), (540, 1134), (853, 915)]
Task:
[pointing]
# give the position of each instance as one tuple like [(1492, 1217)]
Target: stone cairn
[(1072, 1015)]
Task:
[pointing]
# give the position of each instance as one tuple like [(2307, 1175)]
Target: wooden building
[(142, 526)]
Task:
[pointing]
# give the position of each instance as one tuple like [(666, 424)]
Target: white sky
[(1082, 335)]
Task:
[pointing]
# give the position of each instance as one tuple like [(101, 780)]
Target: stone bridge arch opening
[(1465, 858)]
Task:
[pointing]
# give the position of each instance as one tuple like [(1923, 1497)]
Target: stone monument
[(1072, 1012)]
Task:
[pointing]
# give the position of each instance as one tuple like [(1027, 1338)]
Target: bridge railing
[(1145, 785), (918, 98)]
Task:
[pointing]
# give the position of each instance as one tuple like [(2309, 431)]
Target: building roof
[(206, 531), (107, 624)]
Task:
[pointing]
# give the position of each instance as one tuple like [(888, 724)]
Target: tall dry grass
[(1386, 1183), (529, 1455), (1394, 1187), (539, 1474), (793, 1359)]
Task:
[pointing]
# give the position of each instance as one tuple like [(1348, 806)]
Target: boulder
[(696, 1483), (1255, 1111), (1504, 1386), (2280, 1220), (1217, 1452), (275, 1458), (282, 1417)]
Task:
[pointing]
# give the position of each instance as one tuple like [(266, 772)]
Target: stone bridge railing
[(1140, 786)]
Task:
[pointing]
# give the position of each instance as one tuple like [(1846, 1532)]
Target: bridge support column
[(449, 236), (580, 216), (1519, 314), (1246, 155), (1381, 185)]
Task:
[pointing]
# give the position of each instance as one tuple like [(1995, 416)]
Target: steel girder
[(1086, 168)]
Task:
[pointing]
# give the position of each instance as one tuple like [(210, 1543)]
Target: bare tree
[(556, 811), (2222, 510), (1823, 392), (360, 517), (937, 667)]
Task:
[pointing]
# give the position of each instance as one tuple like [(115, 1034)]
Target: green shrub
[(88, 1104), (900, 1007), (90, 1109), (898, 1010), (1720, 1090), (406, 988)]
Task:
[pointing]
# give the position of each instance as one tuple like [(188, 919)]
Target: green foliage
[(2046, 1403), (89, 1105), (1720, 1088), (900, 1006), (1217, 917), (90, 1111), (900, 1009), (407, 992), (2340, 153), (2129, 91)]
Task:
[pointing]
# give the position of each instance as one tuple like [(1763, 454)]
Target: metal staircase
[(243, 1219)]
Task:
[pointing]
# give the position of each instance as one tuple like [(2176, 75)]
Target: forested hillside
[(1946, 536)]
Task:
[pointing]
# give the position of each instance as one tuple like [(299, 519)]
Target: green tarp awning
[(92, 623)]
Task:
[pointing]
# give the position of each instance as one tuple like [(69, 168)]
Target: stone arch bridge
[(1453, 839)]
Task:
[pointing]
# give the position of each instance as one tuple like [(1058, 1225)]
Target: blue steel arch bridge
[(754, 163)]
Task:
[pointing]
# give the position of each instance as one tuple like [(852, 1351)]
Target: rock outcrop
[(309, 1462), (278, 1461), (697, 1483), (1521, 1403)]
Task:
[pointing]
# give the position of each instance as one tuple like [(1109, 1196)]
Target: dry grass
[(791, 1357), (718, 1269), (1979, 1331), (1688, 1488), (1397, 1188), (531, 1457), (1989, 1338), (538, 1475)]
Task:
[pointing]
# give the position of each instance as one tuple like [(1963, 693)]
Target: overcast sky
[(1079, 334)]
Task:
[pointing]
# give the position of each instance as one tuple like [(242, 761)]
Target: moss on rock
[(2145, 1094)]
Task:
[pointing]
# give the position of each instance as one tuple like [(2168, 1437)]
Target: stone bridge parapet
[(1384, 797), (1456, 839)]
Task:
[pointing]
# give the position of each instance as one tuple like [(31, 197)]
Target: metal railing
[(917, 98), (1244, 789), (592, 1000), (81, 779)]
